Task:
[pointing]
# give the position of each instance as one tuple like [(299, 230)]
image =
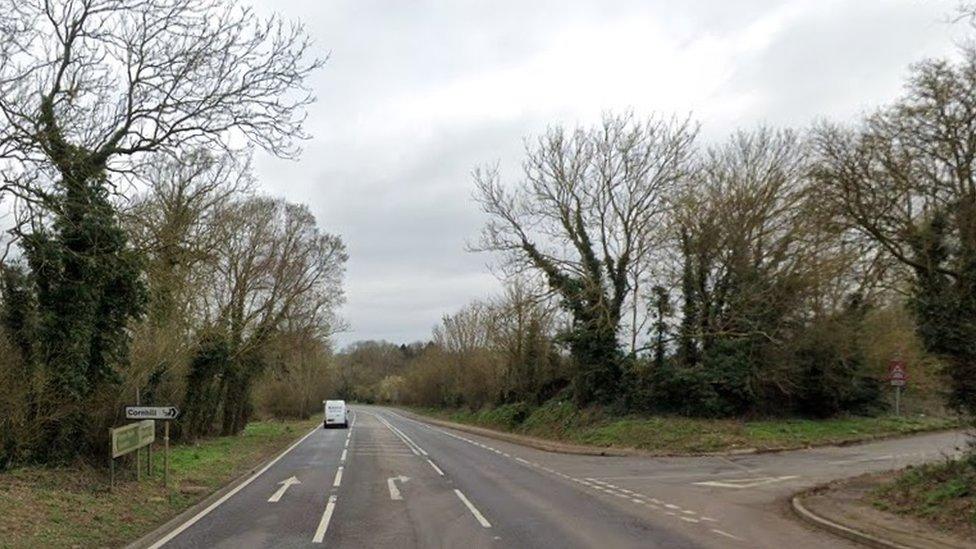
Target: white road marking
[(745, 482), (347, 443), (408, 439), (338, 478), (391, 484), (413, 447), (686, 515), (342, 459), (436, 468), (726, 534), (474, 511), (193, 520), (285, 485), (324, 523)]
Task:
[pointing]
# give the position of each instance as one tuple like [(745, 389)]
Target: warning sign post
[(897, 377)]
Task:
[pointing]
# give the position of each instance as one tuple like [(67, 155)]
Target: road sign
[(168, 413), (132, 437), (897, 373)]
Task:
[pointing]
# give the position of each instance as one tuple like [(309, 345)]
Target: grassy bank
[(942, 494), (679, 435), (72, 506)]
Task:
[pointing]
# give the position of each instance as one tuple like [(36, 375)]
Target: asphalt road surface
[(392, 481)]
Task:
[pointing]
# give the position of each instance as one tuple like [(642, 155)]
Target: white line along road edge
[(179, 529)]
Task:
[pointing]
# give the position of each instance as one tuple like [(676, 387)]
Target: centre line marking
[(410, 444), (324, 523), (338, 478), (474, 511), (436, 468)]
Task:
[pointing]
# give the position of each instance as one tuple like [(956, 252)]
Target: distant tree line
[(141, 265), (753, 277)]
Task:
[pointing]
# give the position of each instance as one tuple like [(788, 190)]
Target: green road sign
[(132, 437)]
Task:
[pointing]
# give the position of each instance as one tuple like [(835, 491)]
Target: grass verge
[(941, 494), (73, 507), (561, 421)]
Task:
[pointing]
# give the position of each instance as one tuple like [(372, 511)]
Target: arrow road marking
[(391, 484), (285, 485), (745, 482)]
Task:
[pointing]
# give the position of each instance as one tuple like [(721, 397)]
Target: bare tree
[(175, 222), (582, 215), (273, 268), (85, 84)]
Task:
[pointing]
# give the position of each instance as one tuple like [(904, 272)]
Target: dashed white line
[(338, 478), (342, 459), (436, 468), (324, 522), (686, 515), (474, 511)]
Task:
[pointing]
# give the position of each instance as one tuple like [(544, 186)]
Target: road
[(392, 481)]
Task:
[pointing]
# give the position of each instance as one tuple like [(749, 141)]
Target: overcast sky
[(416, 94)]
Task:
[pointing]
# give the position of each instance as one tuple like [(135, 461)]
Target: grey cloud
[(391, 172)]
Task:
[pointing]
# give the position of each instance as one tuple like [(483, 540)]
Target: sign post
[(148, 414), (897, 377), (166, 454), (131, 438)]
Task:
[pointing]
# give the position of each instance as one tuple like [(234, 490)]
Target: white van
[(336, 414)]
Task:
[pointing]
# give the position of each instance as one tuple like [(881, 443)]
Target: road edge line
[(841, 530), (186, 518)]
